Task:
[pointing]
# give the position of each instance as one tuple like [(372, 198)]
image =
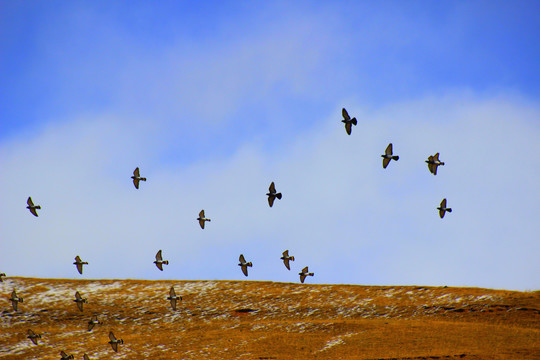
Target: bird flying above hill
[(243, 264), (79, 301), (79, 263), (304, 273), (2, 275), (15, 300), (137, 177), (32, 207), (33, 336), (272, 194), (388, 155), (159, 261), (443, 209), (93, 322), (348, 121), (173, 298), (433, 162), (65, 356), (114, 342), (202, 219), (286, 259)]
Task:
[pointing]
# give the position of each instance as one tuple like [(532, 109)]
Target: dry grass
[(265, 320)]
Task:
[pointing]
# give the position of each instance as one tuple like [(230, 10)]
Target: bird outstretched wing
[(30, 202), (136, 172), (345, 114), (244, 270), (348, 128), (389, 150), (272, 188), (302, 278), (385, 162), (172, 293), (111, 336), (271, 199), (286, 262), (201, 223), (201, 214), (158, 256), (242, 259)]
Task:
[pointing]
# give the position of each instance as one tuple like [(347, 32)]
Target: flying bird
[(272, 194), (202, 219), (137, 177), (79, 263), (85, 357), (2, 275), (114, 342), (443, 209), (433, 162), (79, 300), (304, 273), (93, 322), (388, 155), (286, 259), (348, 121), (65, 356), (33, 336), (15, 300), (159, 261), (173, 298), (243, 264), (32, 207)]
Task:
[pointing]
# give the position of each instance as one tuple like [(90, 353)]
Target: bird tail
[(38, 207), (353, 120), (292, 258), (442, 163), (311, 274), (249, 264), (208, 220), (278, 195), (20, 300), (85, 263), (449, 209), (121, 341), (395, 157), (166, 262), (143, 179)]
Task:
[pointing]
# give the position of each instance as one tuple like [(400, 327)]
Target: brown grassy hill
[(266, 320)]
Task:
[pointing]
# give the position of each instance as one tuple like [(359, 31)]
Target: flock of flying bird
[(433, 163)]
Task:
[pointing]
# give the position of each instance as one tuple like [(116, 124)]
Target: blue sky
[(215, 100)]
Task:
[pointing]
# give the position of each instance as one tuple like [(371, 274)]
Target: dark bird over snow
[(137, 177), (443, 209), (15, 300), (2, 275), (79, 264), (433, 162), (173, 298), (348, 121), (272, 194), (114, 342), (93, 322), (243, 264), (304, 273), (32, 207), (388, 155), (202, 219), (286, 258), (79, 301), (33, 336), (159, 261), (65, 356)]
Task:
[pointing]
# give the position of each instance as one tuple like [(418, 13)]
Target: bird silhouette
[(2, 275), (65, 356), (304, 273), (159, 261), (79, 263), (114, 342), (443, 209), (272, 194), (286, 259), (202, 219), (85, 357), (33, 336), (388, 155), (173, 298), (93, 322), (348, 121), (243, 264), (434, 162), (79, 301), (137, 177), (32, 207), (15, 300)]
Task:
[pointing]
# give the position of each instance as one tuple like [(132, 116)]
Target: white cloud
[(341, 213)]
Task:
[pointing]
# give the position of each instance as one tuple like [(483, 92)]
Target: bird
[(159, 261), (93, 322), (79, 300), (32, 207), (15, 300), (85, 357), (33, 336), (137, 177), (272, 194), (434, 162), (304, 273), (443, 209), (173, 298), (286, 259), (79, 263), (388, 155), (202, 219), (243, 264), (65, 356), (114, 342), (348, 121), (2, 275)]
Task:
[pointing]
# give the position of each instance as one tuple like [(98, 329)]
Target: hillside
[(266, 320)]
